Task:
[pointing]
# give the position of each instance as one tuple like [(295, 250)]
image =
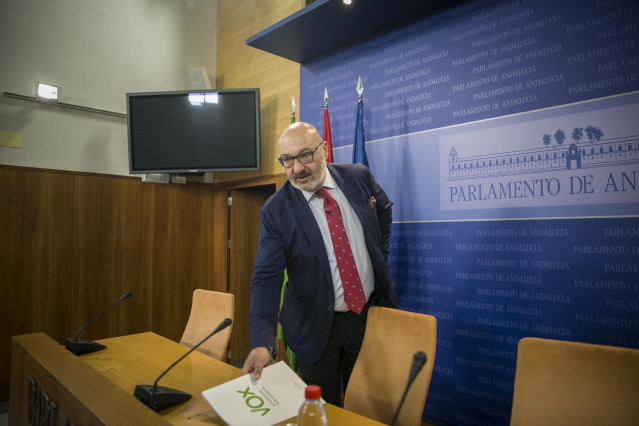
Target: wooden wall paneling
[(220, 239), (245, 233), (112, 254), (255, 14), (72, 243), (184, 253), (35, 228), (263, 187), (239, 65), (222, 223)]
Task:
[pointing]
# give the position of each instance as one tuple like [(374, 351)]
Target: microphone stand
[(84, 346), (419, 359), (159, 397)]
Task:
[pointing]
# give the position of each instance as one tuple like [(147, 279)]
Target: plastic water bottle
[(312, 412)]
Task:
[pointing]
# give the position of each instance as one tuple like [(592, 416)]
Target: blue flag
[(359, 148)]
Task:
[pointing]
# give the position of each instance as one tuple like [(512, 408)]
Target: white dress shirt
[(355, 237)]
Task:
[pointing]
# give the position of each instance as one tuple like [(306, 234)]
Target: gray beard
[(317, 181)]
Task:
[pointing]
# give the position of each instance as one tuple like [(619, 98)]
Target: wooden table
[(115, 371)]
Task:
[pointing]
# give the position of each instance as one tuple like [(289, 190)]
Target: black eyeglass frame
[(297, 157)]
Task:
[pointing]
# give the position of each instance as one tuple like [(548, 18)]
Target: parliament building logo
[(584, 168)]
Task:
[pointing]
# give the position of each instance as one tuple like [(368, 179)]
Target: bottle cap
[(313, 392)]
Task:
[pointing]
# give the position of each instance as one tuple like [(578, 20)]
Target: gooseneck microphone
[(419, 359), (159, 397), (82, 346)]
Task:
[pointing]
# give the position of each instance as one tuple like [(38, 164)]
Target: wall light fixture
[(47, 92)]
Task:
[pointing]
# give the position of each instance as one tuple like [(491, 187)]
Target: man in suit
[(322, 314)]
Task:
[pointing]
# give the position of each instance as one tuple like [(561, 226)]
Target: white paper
[(275, 397)]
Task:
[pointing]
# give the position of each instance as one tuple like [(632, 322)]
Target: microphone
[(419, 359), (158, 397), (82, 346)]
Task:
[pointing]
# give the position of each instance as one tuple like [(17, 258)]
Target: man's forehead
[(294, 146)]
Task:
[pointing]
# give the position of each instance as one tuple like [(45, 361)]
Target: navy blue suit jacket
[(290, 238)]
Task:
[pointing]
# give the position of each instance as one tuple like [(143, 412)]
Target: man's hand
[(257, 359)]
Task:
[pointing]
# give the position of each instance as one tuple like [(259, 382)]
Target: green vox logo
[(254, 402)]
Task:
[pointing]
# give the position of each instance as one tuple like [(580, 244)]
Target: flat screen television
[(187, 132)]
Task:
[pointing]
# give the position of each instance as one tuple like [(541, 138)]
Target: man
[(323, 313)]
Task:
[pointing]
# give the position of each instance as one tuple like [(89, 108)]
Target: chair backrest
[(209, 308), (381, 371), (568, 383)]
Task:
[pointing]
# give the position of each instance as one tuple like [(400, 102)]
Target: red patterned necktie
[(353, 291)]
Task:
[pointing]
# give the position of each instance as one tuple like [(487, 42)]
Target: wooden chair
[(381, 371), (569, 383), (208, 310)]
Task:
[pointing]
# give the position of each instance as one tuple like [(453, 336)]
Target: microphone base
[(162, 398), (82, 346)]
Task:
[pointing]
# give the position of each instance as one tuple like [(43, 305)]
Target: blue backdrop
[(506, 134)]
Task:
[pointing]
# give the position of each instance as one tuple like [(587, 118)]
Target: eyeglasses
[(304, 158)]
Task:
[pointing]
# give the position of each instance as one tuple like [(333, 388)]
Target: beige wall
[(97, 51)]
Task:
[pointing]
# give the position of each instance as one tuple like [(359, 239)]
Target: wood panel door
[(244, 232)]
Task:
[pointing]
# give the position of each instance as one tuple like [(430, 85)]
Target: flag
[(327, 129), (292, 359), (359, 148), (327, 136)]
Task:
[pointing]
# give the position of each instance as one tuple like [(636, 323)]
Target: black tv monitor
[(187, 132)]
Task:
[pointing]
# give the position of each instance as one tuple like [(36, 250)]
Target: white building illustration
[(603, 153)]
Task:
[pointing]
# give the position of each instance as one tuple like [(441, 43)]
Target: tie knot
[(323, 193)]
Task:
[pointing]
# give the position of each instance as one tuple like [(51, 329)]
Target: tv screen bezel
[(186, 170)]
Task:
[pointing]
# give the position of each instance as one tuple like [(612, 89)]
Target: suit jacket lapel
[(354, 194)]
